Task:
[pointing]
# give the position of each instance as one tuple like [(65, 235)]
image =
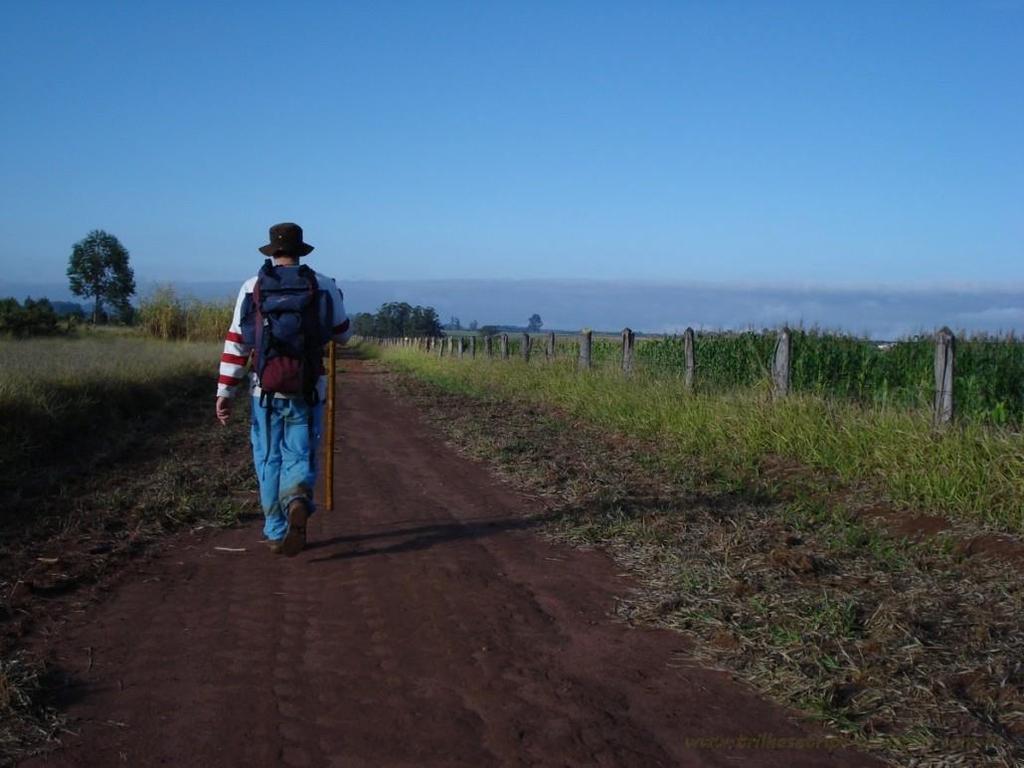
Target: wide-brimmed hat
[(286, 240)]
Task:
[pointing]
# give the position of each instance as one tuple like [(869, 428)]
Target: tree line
[(397, 318), (33, 318)]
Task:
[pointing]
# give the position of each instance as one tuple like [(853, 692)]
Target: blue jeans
[(285, 457)]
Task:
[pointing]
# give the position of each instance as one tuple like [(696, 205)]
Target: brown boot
[(295, 539), (274, 545)]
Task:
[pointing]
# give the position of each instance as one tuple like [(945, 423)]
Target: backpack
[(290, 330)]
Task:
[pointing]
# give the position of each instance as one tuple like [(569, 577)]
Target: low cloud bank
[(879, 312)]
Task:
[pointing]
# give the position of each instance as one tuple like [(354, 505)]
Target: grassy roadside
[(972, 473), (157, 463), (66, 404), (906, 646)]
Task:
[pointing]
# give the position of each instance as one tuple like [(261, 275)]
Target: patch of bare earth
[(884, 627)]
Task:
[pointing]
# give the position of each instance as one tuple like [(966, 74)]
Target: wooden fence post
[(688, 358), (472, 347), (628, 345), (525, 351), (781, 363), (586, 346), (489, 346), (549, 350), (440, 346), (945, 364), (461, 347), (504, 346)]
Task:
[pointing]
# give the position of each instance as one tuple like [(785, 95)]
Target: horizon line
[(974, 286)]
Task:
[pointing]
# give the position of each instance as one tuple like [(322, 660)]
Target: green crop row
[(988, 385)]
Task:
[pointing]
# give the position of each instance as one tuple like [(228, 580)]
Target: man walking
[(283, 318)]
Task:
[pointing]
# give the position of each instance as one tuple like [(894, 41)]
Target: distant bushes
[(33, 318), (165, 315), (396, 319)]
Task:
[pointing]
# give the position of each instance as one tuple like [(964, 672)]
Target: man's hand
[(223, 409)]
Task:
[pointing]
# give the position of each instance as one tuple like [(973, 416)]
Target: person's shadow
[(422, 536)]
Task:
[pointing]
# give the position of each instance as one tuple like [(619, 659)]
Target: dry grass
[(26, 718), (165, 315), (69, 402)]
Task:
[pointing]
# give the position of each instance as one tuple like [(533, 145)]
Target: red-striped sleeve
[(227, 357), (229, 381), (235, 337)]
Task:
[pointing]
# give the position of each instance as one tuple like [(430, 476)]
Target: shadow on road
[(424, 536)]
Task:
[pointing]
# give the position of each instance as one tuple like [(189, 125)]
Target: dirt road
[(426, 625)]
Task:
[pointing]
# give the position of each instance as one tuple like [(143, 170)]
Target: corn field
[(988, 385)]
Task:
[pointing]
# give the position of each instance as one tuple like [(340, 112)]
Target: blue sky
[(834, 143)]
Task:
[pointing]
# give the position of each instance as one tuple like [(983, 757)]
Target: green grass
[(972, 471)]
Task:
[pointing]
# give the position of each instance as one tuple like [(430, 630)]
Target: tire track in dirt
[(426, 625)]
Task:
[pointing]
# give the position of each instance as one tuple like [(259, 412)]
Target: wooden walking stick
[(329, 432)]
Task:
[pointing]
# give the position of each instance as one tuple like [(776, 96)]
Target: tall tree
[(534, 323), (99, 269)]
